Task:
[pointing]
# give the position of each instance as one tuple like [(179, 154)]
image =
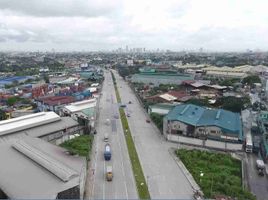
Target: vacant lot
[(215, 173), (80, 145)]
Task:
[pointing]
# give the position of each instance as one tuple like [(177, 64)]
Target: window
[(212, 131)]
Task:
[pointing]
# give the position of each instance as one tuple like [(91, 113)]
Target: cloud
[(109, 24), (60, 8)]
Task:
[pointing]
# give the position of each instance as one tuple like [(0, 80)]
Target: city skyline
[(80, 25)]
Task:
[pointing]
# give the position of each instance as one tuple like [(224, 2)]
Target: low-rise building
[(157, 78), (26, 147), (45, 125), (169, 97), (195, 121), (84, 112), (35, 169), (54, 103)]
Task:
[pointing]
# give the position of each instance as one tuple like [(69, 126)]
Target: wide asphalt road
[(164, 178), (258, 184), (123, 184)]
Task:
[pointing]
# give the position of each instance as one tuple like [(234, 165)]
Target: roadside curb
[(186, 173), (92, 157)]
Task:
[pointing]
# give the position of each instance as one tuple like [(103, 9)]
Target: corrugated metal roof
[(26, 122), (79, 106), (55, 167), (23, 178)]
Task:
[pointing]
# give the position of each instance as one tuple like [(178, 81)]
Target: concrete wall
[(210, 131), (212, 144), (62, 136), (82, 180)]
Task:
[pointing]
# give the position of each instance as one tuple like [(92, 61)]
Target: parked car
[(148, 121)]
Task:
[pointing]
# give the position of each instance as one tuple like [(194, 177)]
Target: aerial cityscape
[(133, 99)]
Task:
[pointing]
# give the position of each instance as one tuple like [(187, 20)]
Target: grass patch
[(80, 145), (221, 173), (134, 159), (158, 120)]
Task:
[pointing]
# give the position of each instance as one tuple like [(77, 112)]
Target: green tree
[(229, 82), (233, 104), (11, 101), (46, 79), (158, 120), (250, 80)]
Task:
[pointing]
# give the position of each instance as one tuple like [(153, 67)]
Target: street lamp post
[(201, 175)]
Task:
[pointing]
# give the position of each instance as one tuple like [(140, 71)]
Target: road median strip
[(135, 162)]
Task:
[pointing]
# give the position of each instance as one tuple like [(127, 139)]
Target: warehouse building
[(35, 169), (199, 122), (45, 125), (157, 78), (84, 112)]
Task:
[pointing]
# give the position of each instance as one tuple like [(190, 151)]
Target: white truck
[(260, 167)]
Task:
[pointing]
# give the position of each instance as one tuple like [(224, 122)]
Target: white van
[(106, 137)]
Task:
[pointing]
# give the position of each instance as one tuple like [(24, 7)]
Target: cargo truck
[(109, 173), (107, 152)]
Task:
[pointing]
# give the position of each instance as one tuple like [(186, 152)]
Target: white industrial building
[(45, 125), (83, 111), (35, 168)]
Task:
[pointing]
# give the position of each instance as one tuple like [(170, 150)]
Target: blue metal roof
[(199, 116)]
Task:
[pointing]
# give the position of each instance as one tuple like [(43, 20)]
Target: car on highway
[(148, 121), (109, 173), (128, 115), (129, 102), (123, 106), (116, 116), (107, 152), (106, 137)]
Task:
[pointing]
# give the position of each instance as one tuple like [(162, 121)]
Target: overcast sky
[(66, 25)]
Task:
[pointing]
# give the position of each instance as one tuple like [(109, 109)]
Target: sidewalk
[(186, 173), (89, 185)]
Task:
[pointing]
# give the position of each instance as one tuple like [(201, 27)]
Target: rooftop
[(46, 167), (41, 130), (165, 76), (57, 100), (199, 116), (26, 122), (168, 97), (81, 105)]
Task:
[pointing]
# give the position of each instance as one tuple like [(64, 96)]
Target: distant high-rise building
[(127, 48)]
